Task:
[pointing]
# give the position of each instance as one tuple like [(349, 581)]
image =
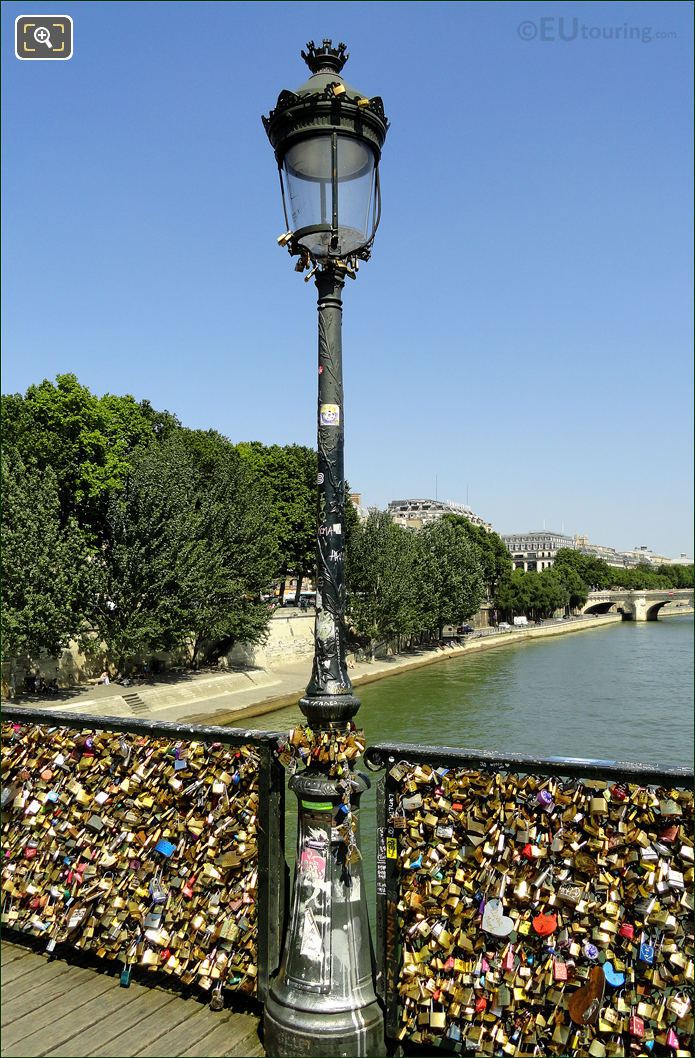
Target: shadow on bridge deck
[(52, 1008)]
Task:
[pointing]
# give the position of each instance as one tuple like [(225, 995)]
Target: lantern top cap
[(326, 58)]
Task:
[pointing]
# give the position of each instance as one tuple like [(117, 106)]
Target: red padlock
[(480, 1005), (166, 955), (619, 791), (669, 835), (188, 887), (627, 930), (636, 1026)]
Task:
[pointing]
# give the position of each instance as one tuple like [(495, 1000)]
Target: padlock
[(217, 999), (646, 950)]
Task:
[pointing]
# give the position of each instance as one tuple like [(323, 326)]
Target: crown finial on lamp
[(326, 58)]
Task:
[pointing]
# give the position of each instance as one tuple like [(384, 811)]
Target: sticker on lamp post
[(329, 415)]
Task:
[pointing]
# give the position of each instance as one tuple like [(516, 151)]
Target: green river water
[(623, 691)]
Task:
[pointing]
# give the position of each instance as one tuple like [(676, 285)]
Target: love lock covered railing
[(534, 906), (157, 844)]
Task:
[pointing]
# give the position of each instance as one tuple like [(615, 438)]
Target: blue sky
[(522, 334)]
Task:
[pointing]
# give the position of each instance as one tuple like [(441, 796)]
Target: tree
[(455, 589), (86, 440), (288, 474), (678, 576), (491, 550), (513, 596), (575, 585), (384, 567), (47, 578), (531, 594), (188, 553), (594, 572)]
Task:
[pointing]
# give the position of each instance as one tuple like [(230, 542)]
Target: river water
[(621, 691)]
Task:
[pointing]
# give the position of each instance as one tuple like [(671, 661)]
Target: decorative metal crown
[(326, 58)]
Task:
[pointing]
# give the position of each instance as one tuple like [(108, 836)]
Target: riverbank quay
[(232, 697), (55, 1008)]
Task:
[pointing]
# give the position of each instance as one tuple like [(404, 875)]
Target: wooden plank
[(244, 1047), (38, 978), (28, 1033), (141, 1033), (222, 1039), (32, 1004), (10, 951), (73, 1025), (48, 1007), (111, 1028), (193, 1029), (19, 967)]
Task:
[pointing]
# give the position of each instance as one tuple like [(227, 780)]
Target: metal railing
[(390, 870), (272, 892)]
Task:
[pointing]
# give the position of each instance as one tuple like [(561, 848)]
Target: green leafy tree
[(678, 576), (385, 567), (455, 587), (491, 550), (47, 578), (531, 594), (288, 475), (188, 553), (87, 441), (593, 571), (513, 595)]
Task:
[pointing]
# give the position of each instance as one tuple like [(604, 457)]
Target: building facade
[(414, 514), (535, 550)]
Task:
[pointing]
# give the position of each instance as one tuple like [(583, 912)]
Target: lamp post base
[(322, 1001), (291, 1030)]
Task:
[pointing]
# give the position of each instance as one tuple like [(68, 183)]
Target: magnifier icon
[(42, 36)]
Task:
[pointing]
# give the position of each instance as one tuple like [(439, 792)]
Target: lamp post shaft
[(322, 1001), (329, 676)]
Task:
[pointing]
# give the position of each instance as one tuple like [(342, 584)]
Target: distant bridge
[(637, 605)]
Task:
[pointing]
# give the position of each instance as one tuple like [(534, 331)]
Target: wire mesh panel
[(159, 845), (534, 906)]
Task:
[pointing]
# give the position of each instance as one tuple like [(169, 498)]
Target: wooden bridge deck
[(49, 1007)]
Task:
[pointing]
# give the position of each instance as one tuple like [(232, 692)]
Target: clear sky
[(522, 334)]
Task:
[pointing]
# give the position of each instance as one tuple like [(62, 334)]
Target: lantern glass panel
[(308, 173)]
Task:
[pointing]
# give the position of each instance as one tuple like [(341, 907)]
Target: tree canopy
[(87, 441), (288, 475), (47, 575), (188, 553)]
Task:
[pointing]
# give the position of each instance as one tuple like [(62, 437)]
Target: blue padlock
[(646, 950), (165, 847), (124, 979)]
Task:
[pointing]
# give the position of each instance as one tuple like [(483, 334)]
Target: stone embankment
[(232, 697)]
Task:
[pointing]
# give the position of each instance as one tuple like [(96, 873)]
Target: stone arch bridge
[(639, 605)]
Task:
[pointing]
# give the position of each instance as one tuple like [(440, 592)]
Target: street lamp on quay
[(327, 139)]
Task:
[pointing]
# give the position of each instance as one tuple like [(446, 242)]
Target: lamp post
[(327, 139)]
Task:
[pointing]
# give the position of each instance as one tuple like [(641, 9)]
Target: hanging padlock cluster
[(134, 848), (541, 916), (334, 749)]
